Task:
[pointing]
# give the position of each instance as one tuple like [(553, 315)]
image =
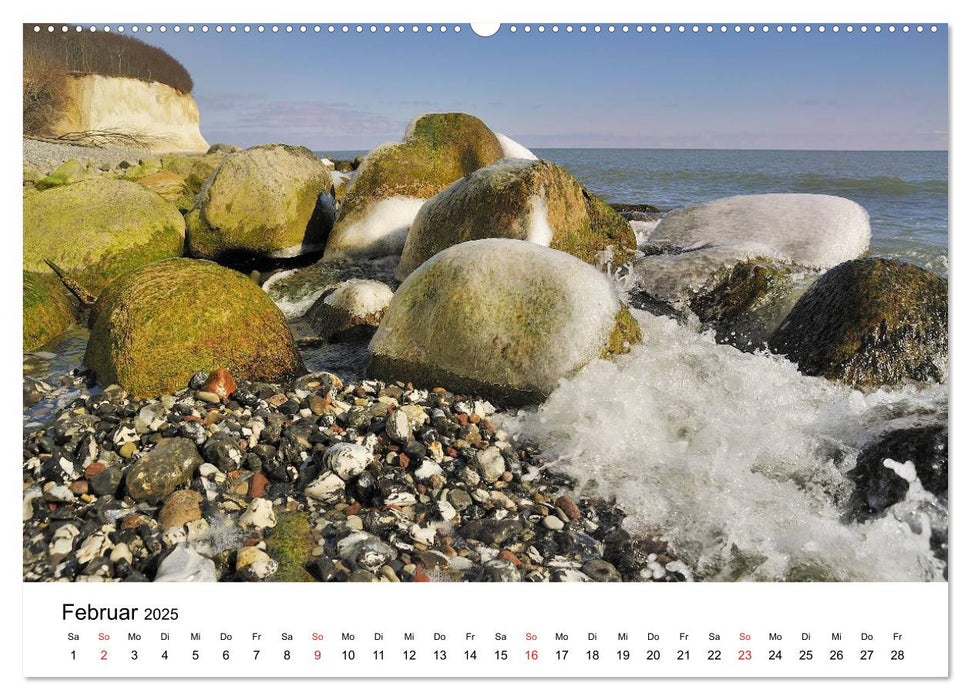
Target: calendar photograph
[(532, 303)]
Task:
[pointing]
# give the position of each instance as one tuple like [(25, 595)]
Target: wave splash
[(737, 459)]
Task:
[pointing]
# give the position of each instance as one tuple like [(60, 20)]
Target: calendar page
[(429, 349)]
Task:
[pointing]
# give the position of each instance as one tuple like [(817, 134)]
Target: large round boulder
[(395, 179), (96, 230), (48, 309), (869, 323), (740, 263), (261, 202), (529, 200), (158, 325), (502, 318)]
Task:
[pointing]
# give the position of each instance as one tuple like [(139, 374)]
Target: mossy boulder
[(869, 323), (291, 545), (48, 309), (97, 230), (261, 202), (529, 200), (171, 187), (155, 327), (503, 318), (393, 181), (145, 167), (351, 310), (194, 169), (66, 173), (740, 263)]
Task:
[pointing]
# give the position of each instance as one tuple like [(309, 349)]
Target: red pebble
[(94, 468), (420, 576), (566, 504), (509, 556), (220, 382), (257, 485)]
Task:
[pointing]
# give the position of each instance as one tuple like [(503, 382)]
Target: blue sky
[(355, 91)]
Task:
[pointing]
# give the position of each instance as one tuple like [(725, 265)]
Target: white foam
[(643, 230), (382, 230), (511, 149), (337, 178), (734, 458), (360, 297), (292, 307), (539, 225), (328, 163)]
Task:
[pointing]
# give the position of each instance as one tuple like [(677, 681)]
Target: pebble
[(185, 564), (253, 564), (180, 508), (359, 482), (219, 382), (258, 515), (490, 464), (347, 460)]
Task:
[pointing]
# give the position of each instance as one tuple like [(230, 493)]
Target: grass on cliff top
[(101, 53)]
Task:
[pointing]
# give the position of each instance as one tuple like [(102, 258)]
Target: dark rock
[(158, 473), (879, 487), (869, 323)]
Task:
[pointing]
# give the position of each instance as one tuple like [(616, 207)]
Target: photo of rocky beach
[(431, 307)]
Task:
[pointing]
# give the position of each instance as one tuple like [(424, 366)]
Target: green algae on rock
[(49, 309), (291, 545), (265, 202), (502, 318), (158, 325), (66, 173), (530, 200), (869, 323), (194, 169), (96, 230), (394, 180), (171, 187)]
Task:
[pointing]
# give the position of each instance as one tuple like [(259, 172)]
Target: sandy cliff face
[(165, 118)]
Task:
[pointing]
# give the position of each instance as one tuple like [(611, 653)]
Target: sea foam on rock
[(503, 318), (869, 323), (530, 200), (740, 263), (264, 201), (352, 309), (393, 181), (96, 230), (157, 326), (512, 149)]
